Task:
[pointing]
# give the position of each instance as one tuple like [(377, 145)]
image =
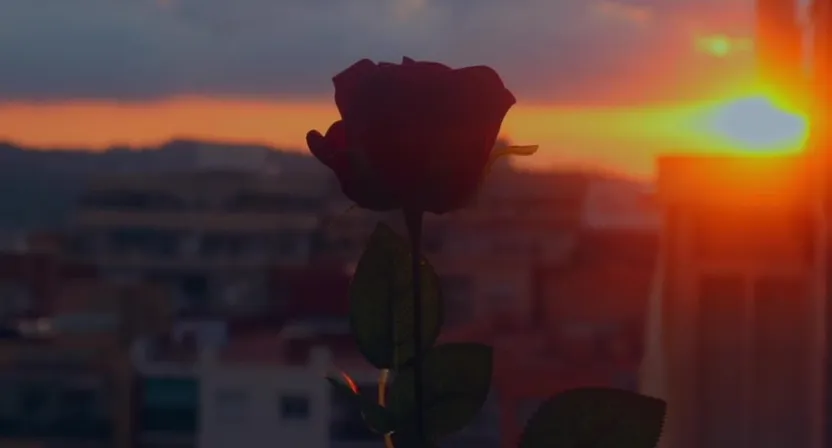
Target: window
[(78, 404), (33, 401), (348, 425), (287, 243), (722, 305), (294, 407), (169, 404), (136, 200), (80, 413), (231, 404), (170, 392), (15, 299), (258, 202), (782, 329), (194, 287), (729, 235), (8, 400), (87, 322)]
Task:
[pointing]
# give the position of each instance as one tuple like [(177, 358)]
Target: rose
[(416, 136)]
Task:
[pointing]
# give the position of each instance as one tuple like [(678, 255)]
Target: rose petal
[(484, 83), (348, 81), (330, 149), (357, 182), (426, 131), (504, 151), (317, 146), (431, 65)]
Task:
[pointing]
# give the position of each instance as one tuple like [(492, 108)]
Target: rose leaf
[(378, 418), (457, 379), (381, 301), (596, 418)]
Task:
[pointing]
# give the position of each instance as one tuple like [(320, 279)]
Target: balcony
[(138, 248), (54, 409), (207, 220)]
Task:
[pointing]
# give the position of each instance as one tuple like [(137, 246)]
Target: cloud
[(636, 14), (547, 50)]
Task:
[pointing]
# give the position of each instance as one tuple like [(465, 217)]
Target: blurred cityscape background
[(193, 294)]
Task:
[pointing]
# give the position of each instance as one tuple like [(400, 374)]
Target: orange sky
[(101, 124), (693, 51), (623, 138)]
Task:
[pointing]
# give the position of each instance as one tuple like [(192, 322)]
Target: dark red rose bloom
[(415, 136)]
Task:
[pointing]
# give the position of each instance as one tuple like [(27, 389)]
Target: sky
[(598, 82)]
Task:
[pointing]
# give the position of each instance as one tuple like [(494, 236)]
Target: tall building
[(212, 236), (820, 61), (780, 44), (737, 334)]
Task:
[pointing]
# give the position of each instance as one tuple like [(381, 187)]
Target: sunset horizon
[(568, 135), (611, 84)]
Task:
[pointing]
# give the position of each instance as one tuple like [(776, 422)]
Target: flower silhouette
[(413, 136)]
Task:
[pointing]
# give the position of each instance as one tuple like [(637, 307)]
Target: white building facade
[(265, 406)]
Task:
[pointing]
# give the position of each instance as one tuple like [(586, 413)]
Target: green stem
[(413, 220)]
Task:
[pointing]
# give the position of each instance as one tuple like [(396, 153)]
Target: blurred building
[(72, 396), (166, 409), (621, 205), (820, 21), (66, 376), (261, 386), (737, 333), (532, 365), (488, 253), (211, 236), (256, 405), (30, 283)]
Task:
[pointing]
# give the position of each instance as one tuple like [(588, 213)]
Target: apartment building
[(258, 387), (56, 394), (210, 235), (486, 255), (31, 282), (736, 331), (66, 377), (257, 405), (166, 411)]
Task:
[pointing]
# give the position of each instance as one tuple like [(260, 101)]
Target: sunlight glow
[(757, 124), (622, 136)]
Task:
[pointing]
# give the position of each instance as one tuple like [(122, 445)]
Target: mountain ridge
[(54, 178), (39, 187)]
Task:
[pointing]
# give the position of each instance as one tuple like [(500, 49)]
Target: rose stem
[(413, 220)]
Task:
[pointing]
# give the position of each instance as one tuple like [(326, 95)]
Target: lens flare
[(350, 382)]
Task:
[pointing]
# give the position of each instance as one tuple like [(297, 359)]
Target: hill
[(38, 188)]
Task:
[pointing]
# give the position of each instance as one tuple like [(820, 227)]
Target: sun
[(756, 124)]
